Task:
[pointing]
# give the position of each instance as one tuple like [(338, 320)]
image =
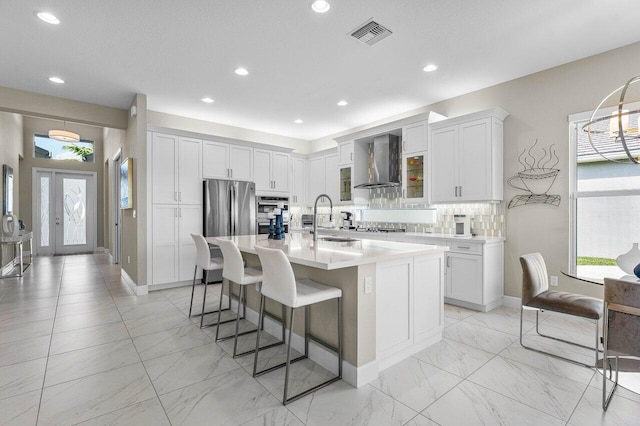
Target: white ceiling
[(300, 63)]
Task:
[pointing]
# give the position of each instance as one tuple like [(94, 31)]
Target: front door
[(65, 212)]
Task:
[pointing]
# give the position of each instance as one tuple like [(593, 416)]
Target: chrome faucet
[(315, 215)]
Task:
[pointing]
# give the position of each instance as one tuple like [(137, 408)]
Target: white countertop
[(414, 237), (301, 249)]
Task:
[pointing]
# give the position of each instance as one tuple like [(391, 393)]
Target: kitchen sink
[(339, 239)]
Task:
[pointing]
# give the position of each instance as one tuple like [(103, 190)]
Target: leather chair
[(537, 296), (621, 331)]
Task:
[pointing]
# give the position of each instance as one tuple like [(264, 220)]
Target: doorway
[(117, 213), (64, 211)]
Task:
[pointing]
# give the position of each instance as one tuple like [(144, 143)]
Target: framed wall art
[(126, 184)]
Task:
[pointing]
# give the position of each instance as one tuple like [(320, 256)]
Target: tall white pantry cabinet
[(176, 180)]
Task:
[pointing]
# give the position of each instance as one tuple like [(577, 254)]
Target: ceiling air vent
[(371, 33)]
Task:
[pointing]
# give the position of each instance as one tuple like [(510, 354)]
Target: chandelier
[(64, 135), (616, 137)]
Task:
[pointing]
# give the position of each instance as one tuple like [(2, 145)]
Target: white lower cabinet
[(409, 310), (475, 275), (173, 250)]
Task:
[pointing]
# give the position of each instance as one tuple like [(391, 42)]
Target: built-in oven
[(266, 205)]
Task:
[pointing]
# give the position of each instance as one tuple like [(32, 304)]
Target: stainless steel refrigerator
[(229, 208)]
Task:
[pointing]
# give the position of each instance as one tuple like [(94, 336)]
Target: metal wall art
[(536, 178)]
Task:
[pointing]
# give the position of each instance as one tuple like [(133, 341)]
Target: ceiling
[(301, 63)]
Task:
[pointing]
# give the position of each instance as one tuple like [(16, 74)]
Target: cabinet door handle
[(404, 193), (231, 171), (351, 156), (180, 196), (175, 211), (448, 262), (404, 146), (180, 213), (456, 191), (175, 196), (461, 191), (464, 247)]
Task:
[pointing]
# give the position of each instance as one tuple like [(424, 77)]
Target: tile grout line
[(53, 324), (164, 410)]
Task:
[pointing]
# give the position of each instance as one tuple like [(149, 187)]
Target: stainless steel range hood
[(384, 172)]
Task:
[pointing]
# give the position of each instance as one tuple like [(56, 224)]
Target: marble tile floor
[(77, 347)]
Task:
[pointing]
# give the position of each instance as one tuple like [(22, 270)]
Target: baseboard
[(474, 306), (355, 376), (511, 301), (139, 290), (155, 287), (99, 250)]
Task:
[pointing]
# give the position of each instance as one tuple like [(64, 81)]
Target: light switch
[(554, 280), (134, 214)]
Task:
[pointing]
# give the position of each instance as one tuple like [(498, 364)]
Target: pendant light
[(64, 135)]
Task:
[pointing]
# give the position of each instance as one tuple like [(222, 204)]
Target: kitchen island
[(393, 298)]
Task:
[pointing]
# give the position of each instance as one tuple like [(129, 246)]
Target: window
[(45, 147), (605, 207)]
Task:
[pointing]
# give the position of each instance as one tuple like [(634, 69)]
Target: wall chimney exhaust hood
[(384, 172)]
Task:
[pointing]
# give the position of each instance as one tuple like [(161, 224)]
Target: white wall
[(11, 152)]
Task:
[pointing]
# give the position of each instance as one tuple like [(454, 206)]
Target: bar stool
[(234, 271), (207, 263), (279, 284)]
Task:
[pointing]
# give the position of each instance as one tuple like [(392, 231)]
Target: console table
[(18, 243)]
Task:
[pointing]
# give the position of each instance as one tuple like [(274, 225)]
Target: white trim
[(94, 202), (100, 250), (10, 266), (474, 306), (511, 301), (139, 290), (384, 128), (150, 183), (164, 286), (215, 138), (586, 115)]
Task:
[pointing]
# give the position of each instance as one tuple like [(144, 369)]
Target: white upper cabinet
[(215, 160), (466, 157), (345, 153), (241, 162), (176, 170), (332, 178), (164, 169), (271, 171), (280, 171), (298, 179), (414, 137), (190, 173), (262, 170), (316, 178), (226, 161)]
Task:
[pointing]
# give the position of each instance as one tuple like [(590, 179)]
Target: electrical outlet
[(134, 214), (368, 285), (128, 259), (554, 281)]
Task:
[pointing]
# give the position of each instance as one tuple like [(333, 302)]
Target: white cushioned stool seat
[(215, 263), (309, 292), (252, 275)]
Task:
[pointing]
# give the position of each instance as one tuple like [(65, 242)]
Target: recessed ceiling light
[(320, 6), (48, 18), (343, 103), (57, 80), (430, 68), (298, 121), (207, 100), (241, 71)]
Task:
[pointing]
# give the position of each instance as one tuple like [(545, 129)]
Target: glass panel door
[(345, 183), (74, 213), (43, 194), (414, 166)]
